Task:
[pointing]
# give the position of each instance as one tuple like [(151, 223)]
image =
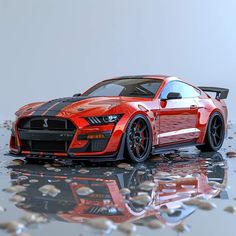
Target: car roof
[(159, 77)]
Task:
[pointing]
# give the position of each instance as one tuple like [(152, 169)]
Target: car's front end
[(84, 130), (79, 135)]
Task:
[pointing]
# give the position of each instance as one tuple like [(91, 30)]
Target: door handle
[(193, 107)]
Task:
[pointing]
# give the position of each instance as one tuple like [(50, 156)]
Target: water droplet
[(51, 168), (17, 198), (108, 173), (230, 209), (32, 181), (84, 191), (32, 218), (22, 234), (12, 227), (125, 191), (127, 228), (50, 190), (15, 189), (147, 185), (142, 199), (155, 224), (231, 154), (102, 224), (68, 180), (123, 165), (83, 171), (17, 162), (22, 178), (201, 204), (181, 228), (141, 172)]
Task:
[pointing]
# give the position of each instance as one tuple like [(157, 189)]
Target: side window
[(170, 88), (187, 91)]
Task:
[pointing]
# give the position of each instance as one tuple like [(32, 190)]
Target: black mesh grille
[(45, 146), (98, 145), (48, 125)]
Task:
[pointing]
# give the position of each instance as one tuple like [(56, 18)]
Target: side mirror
[(77, 95), (172, 95)]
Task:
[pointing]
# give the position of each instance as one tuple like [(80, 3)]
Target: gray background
[(56, 48)]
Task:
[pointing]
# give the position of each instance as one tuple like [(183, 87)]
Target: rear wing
[(221, 93)]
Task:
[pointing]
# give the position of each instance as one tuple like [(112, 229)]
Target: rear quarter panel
[(207, 106)]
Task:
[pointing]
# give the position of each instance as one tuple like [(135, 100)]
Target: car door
[(178, 116)]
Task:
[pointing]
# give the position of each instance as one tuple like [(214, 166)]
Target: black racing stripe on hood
[(64, 102), (41, 109)]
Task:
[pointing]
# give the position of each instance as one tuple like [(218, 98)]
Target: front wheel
[(215, 133), (139, 139)]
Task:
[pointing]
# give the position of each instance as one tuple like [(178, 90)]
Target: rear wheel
[(215, 133), (139, 139)]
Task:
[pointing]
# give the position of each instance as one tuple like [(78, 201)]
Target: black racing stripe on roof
[(64, 103)]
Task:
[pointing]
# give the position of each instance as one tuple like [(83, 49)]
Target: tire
[(215, 134), (138, 142)]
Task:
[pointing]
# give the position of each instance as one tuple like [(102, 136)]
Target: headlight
[(101, 120)]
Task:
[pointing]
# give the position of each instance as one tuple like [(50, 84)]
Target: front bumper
[(85, 142), (119, 155)]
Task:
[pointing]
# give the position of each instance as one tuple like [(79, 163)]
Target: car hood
[(85, 106)]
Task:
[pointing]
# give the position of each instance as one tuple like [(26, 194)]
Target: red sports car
[(128, 117)]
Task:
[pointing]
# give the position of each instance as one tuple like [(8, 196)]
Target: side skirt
[(169, 148)]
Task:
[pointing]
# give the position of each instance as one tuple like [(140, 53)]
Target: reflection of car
[(106, 182), (128, 116)]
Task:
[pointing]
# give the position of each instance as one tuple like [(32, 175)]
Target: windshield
[(143, 87)]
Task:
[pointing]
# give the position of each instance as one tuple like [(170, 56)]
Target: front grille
[(46, 134), (48, 123)]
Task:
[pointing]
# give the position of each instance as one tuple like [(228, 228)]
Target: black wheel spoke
[(214, 140), (215, 122), (217, 136), (138, 125), (143, 129), (142, 147), (137, 151)]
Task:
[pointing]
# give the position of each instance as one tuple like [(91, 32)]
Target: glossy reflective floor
[(51, 199)]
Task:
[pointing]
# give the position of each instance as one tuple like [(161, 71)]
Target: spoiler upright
[(221, 93)]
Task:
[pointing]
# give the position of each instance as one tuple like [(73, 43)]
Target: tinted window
[(187, 91), (111, 89), (129, 87)]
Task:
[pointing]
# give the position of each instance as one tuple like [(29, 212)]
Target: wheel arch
[(148, 146), (207, 122)]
